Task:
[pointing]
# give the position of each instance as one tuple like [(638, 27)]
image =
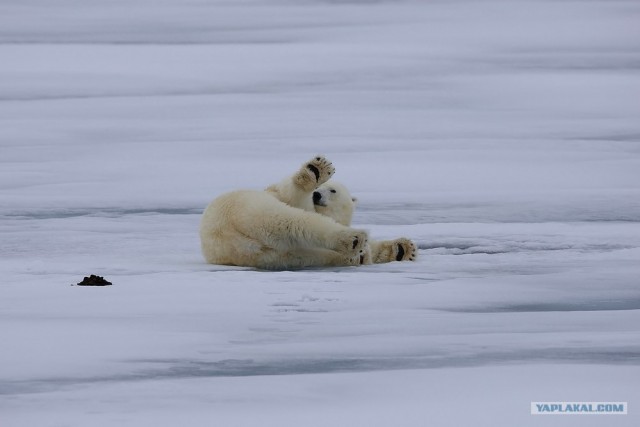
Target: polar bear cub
[(263, 229), (303, 221)]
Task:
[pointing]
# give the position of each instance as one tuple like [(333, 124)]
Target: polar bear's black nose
[(316, 197)]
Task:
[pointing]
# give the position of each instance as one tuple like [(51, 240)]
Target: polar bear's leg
[(305, 257), (281, 229), (297, 190), (390, 250), (299, 253), (307, 230)]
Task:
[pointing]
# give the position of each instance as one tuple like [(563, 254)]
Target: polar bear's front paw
[(352, 243), (405, 250), (315, 172), (321, 168)]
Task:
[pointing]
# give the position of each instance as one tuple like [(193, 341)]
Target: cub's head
[(333, 200)]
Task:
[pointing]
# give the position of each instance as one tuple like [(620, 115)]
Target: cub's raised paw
[(315, 172), (352, 243), (405, 250)]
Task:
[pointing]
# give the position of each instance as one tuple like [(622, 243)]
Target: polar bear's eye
[(333, 191)]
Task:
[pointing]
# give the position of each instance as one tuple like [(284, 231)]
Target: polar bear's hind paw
[(406, 250)]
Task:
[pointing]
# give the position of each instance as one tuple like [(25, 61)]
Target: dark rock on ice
[(94, 280)]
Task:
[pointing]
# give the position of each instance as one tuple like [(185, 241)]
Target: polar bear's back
[(220, 238), (240, 227), (237, 209)]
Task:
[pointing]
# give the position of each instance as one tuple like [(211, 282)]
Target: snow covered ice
[(503, 137)]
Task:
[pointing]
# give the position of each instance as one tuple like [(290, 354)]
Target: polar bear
[(303, 221)]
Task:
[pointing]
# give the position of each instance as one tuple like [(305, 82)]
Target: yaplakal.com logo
[(579, 408)]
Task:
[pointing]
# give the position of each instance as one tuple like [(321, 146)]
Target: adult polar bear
[(303, 221)]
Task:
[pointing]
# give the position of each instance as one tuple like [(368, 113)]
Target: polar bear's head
[(334, 200)]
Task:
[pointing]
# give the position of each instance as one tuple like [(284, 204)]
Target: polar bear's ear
[(354, 199)]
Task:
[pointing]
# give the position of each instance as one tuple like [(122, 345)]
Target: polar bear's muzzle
[(317, 199)]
